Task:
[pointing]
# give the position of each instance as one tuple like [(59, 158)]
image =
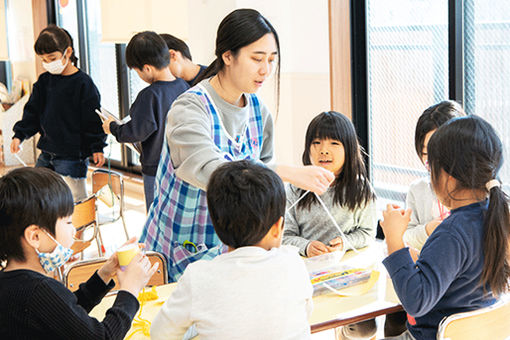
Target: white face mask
[(56, 259), (56, 66)]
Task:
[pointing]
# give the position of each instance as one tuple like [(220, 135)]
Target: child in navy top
[(464, 263), (61, 108), (148, 55)]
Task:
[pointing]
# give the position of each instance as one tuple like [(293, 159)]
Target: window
[(407, 68)]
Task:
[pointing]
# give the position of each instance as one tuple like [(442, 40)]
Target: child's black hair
[(30, 196), (245, 199), (147, 48), (432, 118), (54, 39), (176, 44), (352, 187), (469, 150)]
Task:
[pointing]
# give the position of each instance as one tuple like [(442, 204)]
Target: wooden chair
[(115, 181), (84, 217), (492, 323), (81, 271)]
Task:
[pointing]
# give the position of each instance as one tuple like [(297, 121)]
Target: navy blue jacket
[(148, 117), (62, 110), (446, 278)]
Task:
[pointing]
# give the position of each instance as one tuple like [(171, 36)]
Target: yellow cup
[(126, 254)]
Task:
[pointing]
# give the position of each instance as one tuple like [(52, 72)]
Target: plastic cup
[(126, 254)]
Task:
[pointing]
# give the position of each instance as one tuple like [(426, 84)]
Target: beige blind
[(121, 19), (4, 51)]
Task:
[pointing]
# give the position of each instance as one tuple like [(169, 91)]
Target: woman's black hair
[(352, 187), (30, 196), (147, 48), (55, 39), (238, 29), (432, 118), (469, 150)]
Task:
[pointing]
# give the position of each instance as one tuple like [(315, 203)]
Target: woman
[(219, 120)]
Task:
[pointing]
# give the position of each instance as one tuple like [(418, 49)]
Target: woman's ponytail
[(210, 71)]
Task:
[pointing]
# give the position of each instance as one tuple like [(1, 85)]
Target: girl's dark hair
[(54, 39), (176, 44), (147, 48), (245, 200), (469, 150), (238, 29), (432, 118), (352, 187), (30, 196)]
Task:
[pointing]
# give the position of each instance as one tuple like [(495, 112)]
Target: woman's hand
[(394, 224), (307, 177)]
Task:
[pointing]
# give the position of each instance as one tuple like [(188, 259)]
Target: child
[(259, 289), (148, 55), (62, 109), (331, 142), (181, 63), (35, 235), (427, 212), (465, 263)]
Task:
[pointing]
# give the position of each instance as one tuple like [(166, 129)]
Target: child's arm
[(30, 124), (90, 124), (142, 124), (366, 227), (415, 235), (174, 317), (57, 308)]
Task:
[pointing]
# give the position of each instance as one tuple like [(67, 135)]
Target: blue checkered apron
[(179, 225)]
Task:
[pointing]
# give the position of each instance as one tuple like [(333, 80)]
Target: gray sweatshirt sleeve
[(366, 227), (415, 235), (291, 230), (189, 135)]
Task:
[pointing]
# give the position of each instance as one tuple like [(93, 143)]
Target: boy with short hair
[(181, 63), (259, 289), (148, 55)]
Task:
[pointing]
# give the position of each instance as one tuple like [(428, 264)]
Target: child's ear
[(32, 235), (173, 54), (277, 228)]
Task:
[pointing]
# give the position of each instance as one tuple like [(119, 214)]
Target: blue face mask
[(56, 259)]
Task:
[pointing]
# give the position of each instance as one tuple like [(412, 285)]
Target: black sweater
[(148, 117), (62, 109), (34, 306)]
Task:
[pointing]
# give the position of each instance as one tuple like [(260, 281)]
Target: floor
[(113, 233)]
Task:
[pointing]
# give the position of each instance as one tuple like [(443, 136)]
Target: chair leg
[(99, 240)]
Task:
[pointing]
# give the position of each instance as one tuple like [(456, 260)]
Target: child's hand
[(98, 158), (106, 125), (315, 248), (15, 145), (432, 225), (314, 178), (136, 275), (394, 224), (336, 244), (109, 269), (415, 253)]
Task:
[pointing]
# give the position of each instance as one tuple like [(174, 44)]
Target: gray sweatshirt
[(303, 225), (425, 206), (188, 132)]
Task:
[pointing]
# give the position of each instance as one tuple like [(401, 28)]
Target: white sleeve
[(174, 317)]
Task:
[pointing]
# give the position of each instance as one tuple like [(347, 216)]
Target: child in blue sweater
[(464, 264)]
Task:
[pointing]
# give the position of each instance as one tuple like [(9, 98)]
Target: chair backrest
[(81, 271), (84, 213), (101, 177), (492, 322)]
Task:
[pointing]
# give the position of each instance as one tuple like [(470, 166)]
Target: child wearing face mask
[(148, 55), (331, 142), (62, 109), (35, 235)]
